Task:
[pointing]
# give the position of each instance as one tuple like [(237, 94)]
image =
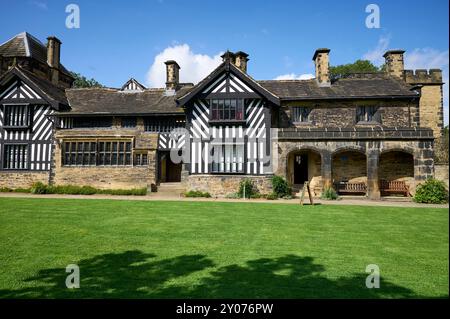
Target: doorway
[(300, 168), (168, 171)]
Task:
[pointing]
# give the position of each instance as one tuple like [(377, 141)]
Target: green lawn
[(143, 249)]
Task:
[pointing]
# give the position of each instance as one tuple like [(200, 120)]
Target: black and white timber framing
[(26, 127), (251, 134)]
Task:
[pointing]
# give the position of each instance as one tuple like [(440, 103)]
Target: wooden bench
[(393, 188), (350, 188)]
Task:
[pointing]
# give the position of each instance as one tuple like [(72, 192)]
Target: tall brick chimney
[(394, 63), (172, 75), (53, 57), (240, 60), (322, 62)]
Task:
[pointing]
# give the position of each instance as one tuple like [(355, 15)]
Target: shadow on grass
[(135, 274)]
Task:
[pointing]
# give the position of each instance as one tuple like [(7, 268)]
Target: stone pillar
[(373, 189), (325, 169), (423, 162)]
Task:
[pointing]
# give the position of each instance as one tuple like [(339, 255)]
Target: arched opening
[(396, 173), (349, 172), (304, 166)]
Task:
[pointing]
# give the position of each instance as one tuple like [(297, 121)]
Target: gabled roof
[(356, 86), (52, 94), (133, 85), (224, 67), (26, 45)]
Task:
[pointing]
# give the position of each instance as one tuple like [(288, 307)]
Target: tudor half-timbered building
[(32, 83), (362, 134)]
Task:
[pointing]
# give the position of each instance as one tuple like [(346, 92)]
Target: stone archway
[(397, 165), (349, 171)]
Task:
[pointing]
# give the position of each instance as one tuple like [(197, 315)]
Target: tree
[(441, 147), (83, 82), (342, 70)]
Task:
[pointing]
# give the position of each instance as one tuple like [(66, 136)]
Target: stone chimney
[(322, 62), (240, 60), (172, 75), (394, 63), (53, 57), (228, 56)]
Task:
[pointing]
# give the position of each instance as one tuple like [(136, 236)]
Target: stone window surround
[(97, 141)]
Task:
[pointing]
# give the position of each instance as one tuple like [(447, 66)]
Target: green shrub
[(329, 194), (280, 186), (39, 188), (232, 196), (193, 193), (272, 196), (431, 192), (250, 188), (5, 190), (133, 191), (21, 190)]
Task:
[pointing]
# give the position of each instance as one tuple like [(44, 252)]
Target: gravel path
[(394, 202)]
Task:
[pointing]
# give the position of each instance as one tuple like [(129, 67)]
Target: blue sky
[(122, 39)]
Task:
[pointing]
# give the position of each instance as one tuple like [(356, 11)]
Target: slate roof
[(54, 95), (229, 67), (26, 45), (105, 101), (355, 86)]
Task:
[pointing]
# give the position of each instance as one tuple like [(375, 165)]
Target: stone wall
[(22, 179), (431, 112), (222, 185), (113, 177), (343, 114), (441, 173), (105, 177)]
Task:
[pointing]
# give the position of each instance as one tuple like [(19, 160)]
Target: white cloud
[(39, 4), (376, 55), (194, 67), (293, 76)]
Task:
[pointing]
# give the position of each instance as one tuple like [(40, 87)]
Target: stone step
[(170, 188)]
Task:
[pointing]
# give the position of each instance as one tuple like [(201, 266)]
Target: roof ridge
[(286, 80)]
